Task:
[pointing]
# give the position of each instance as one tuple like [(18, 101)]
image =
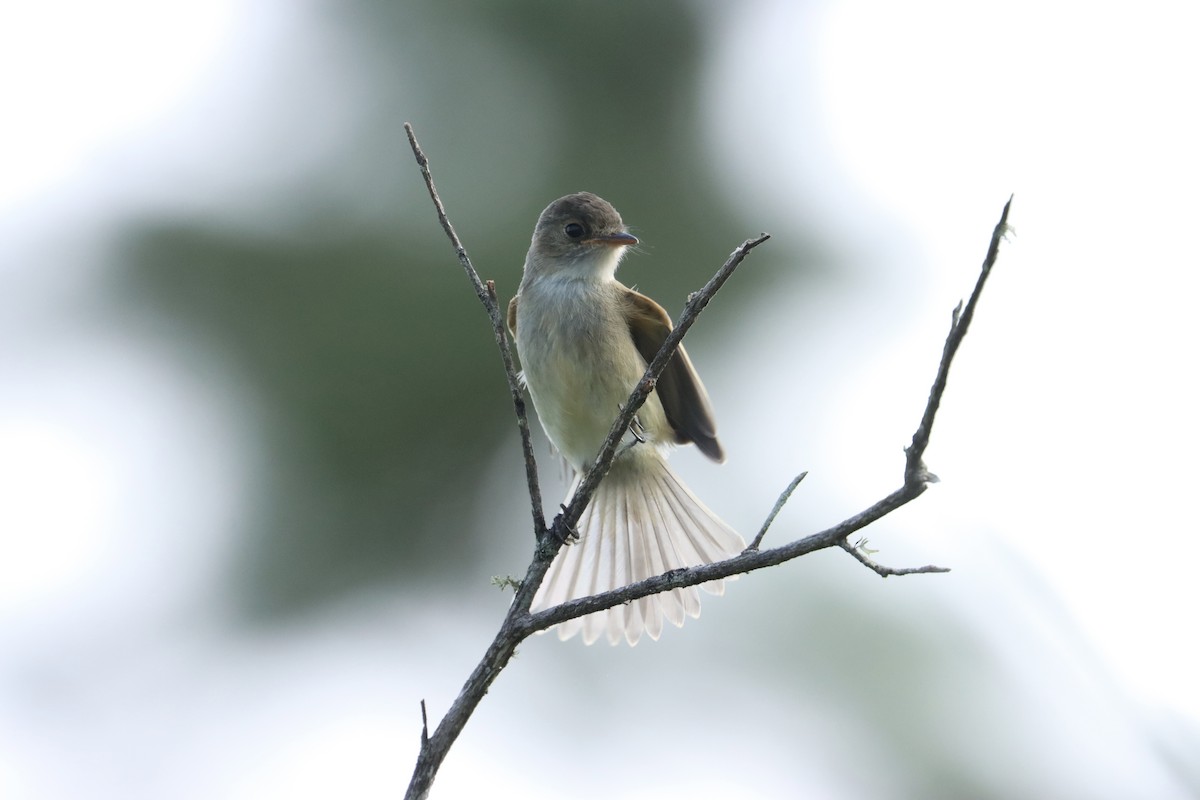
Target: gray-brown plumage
[(584, 340)]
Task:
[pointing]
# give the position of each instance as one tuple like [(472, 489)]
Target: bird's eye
[(573, 230)]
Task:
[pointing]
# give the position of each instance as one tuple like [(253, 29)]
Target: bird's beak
[(618, 239)]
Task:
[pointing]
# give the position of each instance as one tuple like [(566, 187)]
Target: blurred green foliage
[(378, 393)]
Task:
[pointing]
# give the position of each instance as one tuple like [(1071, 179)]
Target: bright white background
[(1082, 369), (1067, 446)]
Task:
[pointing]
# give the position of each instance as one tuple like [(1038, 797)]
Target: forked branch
[(519, 623)]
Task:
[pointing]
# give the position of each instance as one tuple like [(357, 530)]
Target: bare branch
[(915, 467), (880, 569), (487, 296), (424, 725), (783, 498), (747, 561)]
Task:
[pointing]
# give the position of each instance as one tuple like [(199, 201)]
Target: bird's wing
[(679, 388)]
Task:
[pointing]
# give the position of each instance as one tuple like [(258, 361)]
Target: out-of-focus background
[(257, 459)]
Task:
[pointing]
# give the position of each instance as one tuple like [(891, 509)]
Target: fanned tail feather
[(642, 521)]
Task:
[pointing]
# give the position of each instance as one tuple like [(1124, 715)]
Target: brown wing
[(512, 318), (679, 388)]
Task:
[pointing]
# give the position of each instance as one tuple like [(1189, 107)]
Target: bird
[(584, 340)]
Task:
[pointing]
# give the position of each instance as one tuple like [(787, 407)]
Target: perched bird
[(584, 341)]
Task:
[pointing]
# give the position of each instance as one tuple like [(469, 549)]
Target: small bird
[(584, 341)]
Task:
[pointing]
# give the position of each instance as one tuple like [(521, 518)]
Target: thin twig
[(487, 296), (783, 498), (914, 470), (884, 571), (424, 725)]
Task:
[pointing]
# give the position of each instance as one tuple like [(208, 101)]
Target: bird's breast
[(580, 363)]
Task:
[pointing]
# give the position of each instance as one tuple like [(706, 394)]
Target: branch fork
[(519, 623)]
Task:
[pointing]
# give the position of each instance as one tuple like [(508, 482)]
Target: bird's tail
[(642, 521)]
